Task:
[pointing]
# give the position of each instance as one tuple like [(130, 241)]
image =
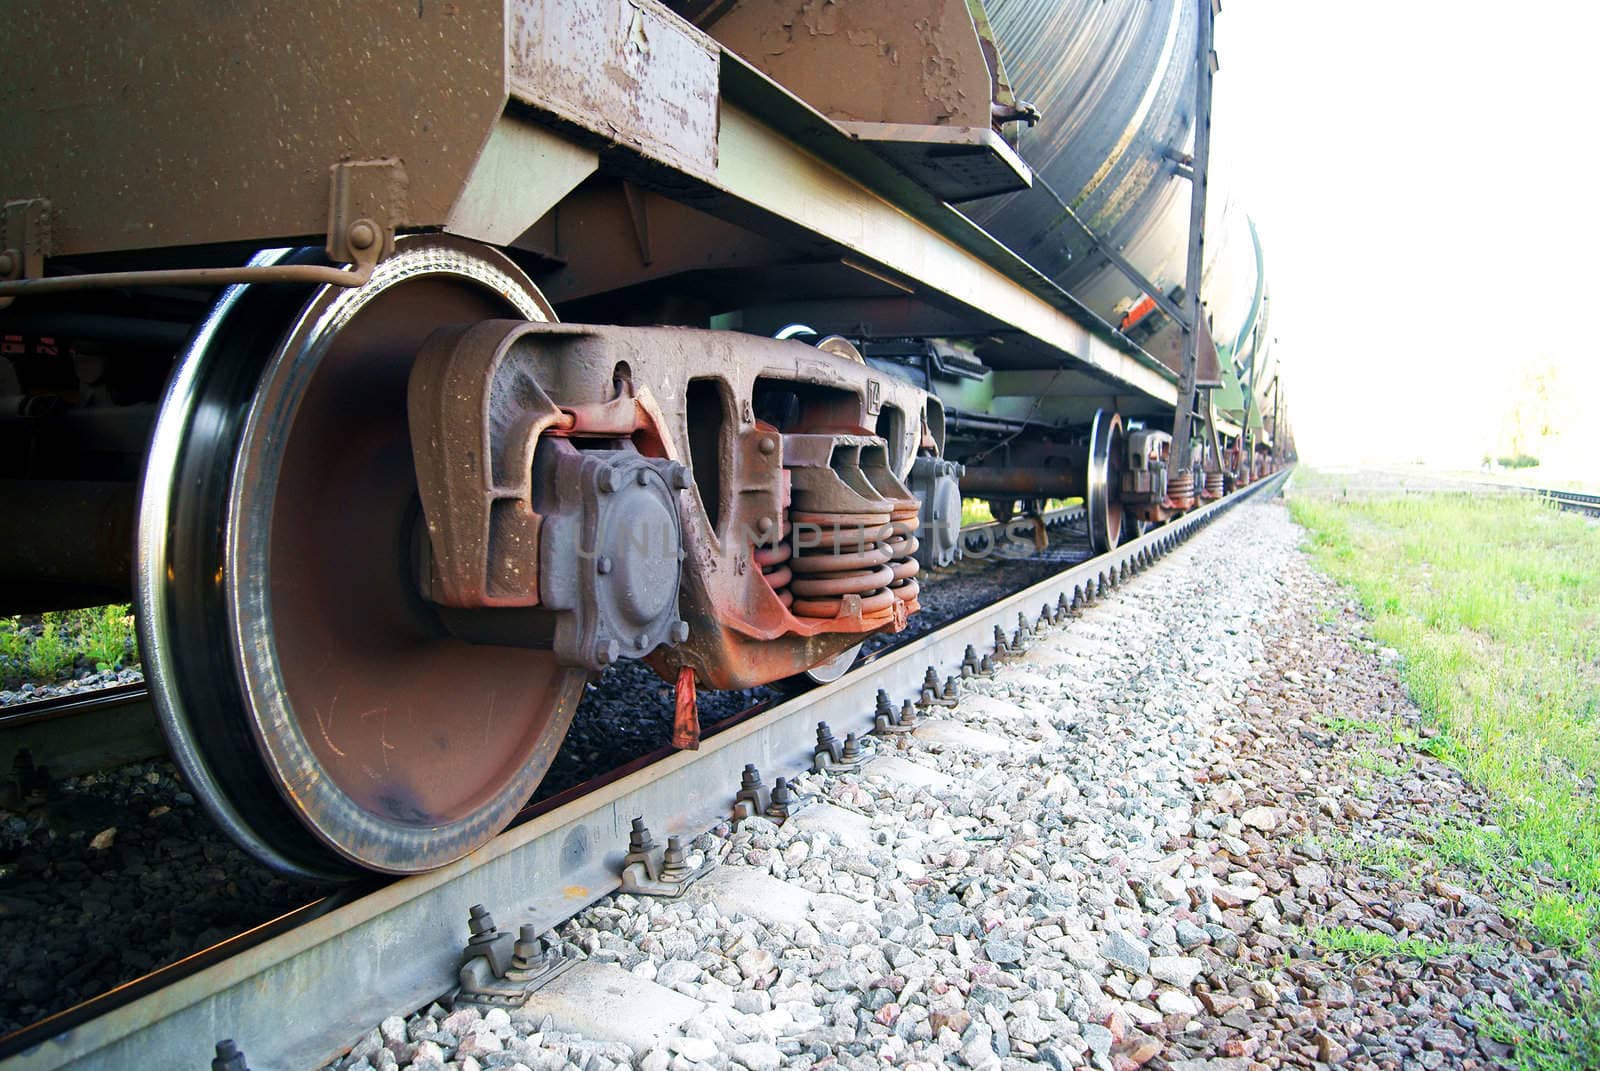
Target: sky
[(1424, 177)]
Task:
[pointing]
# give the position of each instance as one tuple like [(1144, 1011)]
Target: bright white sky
[(1425, 178)]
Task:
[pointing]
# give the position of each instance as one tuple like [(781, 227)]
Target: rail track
[(1027, 531), (1575, 501), (75, 734), (294, 991), (624, 715)]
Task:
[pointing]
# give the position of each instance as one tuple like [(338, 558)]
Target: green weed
[(1565, 1035), (1373, 943), (1493, 603), (50, 654), (976, 510), (44, 649), (1336, 723), (1390, 856), (106, 635), (13, 648), (1371, 760)]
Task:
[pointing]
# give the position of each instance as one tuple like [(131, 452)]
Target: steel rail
[(299, 999), (1026, 530), (81, 733), (1578, 501)]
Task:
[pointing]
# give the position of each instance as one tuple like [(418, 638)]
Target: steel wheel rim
[(833, 668), (294, 592), (1104, 509), (177, 487)]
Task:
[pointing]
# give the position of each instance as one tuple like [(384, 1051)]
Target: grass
[(50, 655), (1372, 943), (1390, 856), (107, 635), (42, 649), (1367, 759), (1564, 1035), (1493, 604), (1338, 723), (976, 510), (13, 648)]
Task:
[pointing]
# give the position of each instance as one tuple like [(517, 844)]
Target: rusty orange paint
[(1139, 311)]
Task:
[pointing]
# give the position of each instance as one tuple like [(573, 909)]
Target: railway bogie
[(607, 333)]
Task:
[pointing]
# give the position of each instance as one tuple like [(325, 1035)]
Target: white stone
[(950, 734), (758, 1056), (1180, 971), (912, 773), (1174, 1002), (742, 891), (1265, 819), (585, 1000), (697, 1049)]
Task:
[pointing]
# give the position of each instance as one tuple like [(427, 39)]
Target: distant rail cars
[(482, 347)]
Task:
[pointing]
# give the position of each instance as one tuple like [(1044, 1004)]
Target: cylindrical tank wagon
[(475, 348)]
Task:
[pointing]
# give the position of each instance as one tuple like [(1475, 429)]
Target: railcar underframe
[(392, 516)]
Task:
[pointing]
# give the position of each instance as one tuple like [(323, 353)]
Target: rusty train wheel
[(317, 704), (1103, 483)]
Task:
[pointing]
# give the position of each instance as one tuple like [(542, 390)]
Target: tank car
[(413, 362)]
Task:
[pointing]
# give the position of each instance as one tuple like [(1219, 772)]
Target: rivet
[(603, 566), (8, 262), (767, 444), (362, 234)]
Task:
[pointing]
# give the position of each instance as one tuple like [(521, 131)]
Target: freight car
[(420, 360)]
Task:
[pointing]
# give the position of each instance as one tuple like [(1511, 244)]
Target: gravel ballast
[(1119, 852)]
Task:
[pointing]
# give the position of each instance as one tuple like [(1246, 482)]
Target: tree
[(1538, 410)]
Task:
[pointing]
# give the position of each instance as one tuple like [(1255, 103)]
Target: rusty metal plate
[(628, 70), (183, 122)]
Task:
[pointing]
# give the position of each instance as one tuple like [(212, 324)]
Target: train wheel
[(833, 669), (319, 709), (1107, 455)]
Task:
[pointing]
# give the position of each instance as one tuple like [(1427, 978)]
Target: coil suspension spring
[(838, 555)]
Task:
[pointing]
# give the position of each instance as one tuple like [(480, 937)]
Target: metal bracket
[(495, 973), (755, 800), (1002, 646), (366, 201), (752, 798), (24, 240), (832, 756), (644, 874), (229, 1057), (785, 801), (27, 239), (886, 720), (933, 695), (973, 666), (364, 191)]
